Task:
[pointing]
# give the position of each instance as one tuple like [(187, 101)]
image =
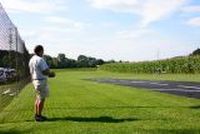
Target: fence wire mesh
[(14, 59)]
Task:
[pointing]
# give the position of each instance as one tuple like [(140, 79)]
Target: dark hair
[(38, 49)]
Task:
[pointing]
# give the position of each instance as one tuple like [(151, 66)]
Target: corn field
[(189, 64)]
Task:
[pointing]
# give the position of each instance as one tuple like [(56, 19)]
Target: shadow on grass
[(103, 119), (117, 107), (169, 131), (195, 107), (14, 131), (10, 132)]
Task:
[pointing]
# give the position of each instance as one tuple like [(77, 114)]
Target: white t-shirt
[(37, 65)]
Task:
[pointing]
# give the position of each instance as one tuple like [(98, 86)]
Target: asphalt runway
[(188, 89)]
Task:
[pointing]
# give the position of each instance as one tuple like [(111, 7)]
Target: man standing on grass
[(40, 71)]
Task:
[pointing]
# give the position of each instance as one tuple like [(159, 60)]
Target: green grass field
[(79, 106)]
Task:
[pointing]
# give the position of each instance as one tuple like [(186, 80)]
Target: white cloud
[(59, 20), (37, 6), (194, 21), (149, 10), (65, 23), (191, 9), (115, 5), (156, 9), (134, 33)]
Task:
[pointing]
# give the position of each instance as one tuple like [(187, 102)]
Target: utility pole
[(158, 59), (16, 58), (158, 54), (10, 45)]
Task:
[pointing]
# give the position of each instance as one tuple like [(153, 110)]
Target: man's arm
[(48, 73), (45, 69)]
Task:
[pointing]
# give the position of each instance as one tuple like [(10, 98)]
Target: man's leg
[(36, 106), (40, 100), (40, 106)]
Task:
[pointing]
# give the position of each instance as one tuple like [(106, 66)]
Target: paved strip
[(159, 84), (188, 89), (178, 90), (137, 82)]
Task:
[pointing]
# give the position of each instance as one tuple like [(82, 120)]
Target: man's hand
[(52, 74)]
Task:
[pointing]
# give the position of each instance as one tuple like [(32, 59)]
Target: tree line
[(13, 59), (61, 61)]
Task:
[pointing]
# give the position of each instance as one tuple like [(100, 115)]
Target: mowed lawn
[(79, 106)]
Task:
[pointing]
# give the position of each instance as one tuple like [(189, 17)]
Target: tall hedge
[(189, 64)]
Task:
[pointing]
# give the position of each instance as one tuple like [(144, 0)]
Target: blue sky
[(133, 30)]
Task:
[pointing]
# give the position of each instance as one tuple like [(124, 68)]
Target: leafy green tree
[(49, 60), (82, 58), (61, 60), (196, 52), (61, 57)]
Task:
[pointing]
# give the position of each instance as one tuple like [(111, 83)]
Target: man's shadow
[(102, 119)]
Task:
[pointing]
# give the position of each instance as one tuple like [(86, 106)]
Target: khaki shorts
[(41, 88)]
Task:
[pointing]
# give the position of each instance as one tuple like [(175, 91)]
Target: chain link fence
[(14, 59)]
